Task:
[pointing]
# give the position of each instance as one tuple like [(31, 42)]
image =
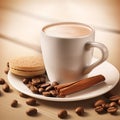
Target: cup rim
[(58, 23)]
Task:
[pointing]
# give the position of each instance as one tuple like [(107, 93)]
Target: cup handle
[(104, 56)]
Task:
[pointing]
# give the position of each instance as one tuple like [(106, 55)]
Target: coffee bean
[(34, 89), (47, 94), (49, 88), (7, 64), (54, 83), (14, 103), (105, 106), (2, 81), (6, 70), (99, 102), (36, 81), (38, 86), (23, 95), (102, 107), (79, 111), (113, 104), (54, 93), (114, 98), (31, 112), (26, 80), (31, 101), (6, 88), (41, 90), (63, 114), (112, 110), (99, 109), (119, 102), (45, 85)]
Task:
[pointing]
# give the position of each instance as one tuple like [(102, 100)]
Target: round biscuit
[(27, 73), (27, 63)]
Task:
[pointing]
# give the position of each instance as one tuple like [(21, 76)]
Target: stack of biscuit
[(27, 66)]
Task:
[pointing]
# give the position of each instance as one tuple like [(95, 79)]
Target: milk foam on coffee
[(67, 30)]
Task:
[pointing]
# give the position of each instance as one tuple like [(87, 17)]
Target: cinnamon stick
[(72, 87), (60, 86)]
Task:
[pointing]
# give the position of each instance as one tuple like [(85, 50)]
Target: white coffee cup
[(67, 50)]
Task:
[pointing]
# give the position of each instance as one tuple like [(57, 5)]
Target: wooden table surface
[(20, 25)]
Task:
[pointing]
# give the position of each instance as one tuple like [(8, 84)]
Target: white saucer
[(108, 70)]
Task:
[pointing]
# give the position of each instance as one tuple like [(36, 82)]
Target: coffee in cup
[(67, 30)]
